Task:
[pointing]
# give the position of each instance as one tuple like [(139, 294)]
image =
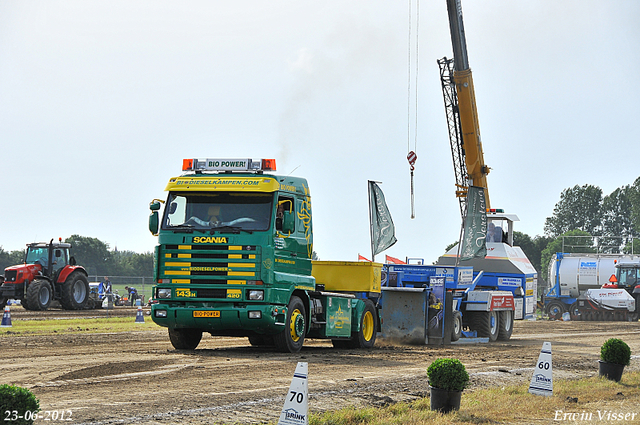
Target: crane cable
[(411, 154)]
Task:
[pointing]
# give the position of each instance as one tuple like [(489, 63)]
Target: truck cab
[(234, 258)]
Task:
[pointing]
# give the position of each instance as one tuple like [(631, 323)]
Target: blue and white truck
[(459, 298)]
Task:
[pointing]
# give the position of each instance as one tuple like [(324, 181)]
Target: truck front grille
[(210, 264), (211, 293)]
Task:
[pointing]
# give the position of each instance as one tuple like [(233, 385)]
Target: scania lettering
[(234, 258)]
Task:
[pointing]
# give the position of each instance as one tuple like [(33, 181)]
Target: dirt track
[(139, 377)]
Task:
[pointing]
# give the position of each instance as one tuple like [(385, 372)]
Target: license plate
[(199, 313)]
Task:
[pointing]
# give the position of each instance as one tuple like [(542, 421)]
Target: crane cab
[(500, 226)]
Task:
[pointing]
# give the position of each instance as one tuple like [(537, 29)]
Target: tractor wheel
[(456, 329), (39, 295), (185, 339), (25, 303), (506, 325), (291, 338), (366, 337), (486, 323), (3, 302), (75, 292)]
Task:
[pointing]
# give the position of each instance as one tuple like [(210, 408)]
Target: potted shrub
[(615, 354), (18, 405), (447, 379)]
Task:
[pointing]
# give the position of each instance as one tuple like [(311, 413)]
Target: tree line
[(585, 221), (96, 257)]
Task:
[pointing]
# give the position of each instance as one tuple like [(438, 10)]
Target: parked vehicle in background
[(572, 275), (49, 273)]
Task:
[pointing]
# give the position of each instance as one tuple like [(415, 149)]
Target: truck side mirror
[(288, 222), (154, 221)]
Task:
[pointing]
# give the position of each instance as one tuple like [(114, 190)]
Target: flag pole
[(464, 218), (373, 255)]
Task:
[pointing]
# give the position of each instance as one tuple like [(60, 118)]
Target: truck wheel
[(291, 338), (341, 343), (456, 329), (506, 325), (39, 295), (555, 309), (575, 313), (366, 337), (486, 323), (75, 292), (261, 340), (185, 339)]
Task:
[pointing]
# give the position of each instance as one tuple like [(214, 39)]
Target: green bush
[(616, 351), (17, 401), (448, 374)]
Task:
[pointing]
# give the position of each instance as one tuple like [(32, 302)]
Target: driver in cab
[(213, 214)]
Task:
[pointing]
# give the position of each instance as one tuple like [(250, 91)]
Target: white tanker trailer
[(572, 275)]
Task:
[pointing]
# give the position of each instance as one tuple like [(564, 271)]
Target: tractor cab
[(627, 274), (51, 257)]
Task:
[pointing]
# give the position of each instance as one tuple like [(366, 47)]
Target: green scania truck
[(234, 258)]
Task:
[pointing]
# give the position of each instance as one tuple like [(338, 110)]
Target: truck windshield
[(197, 210)]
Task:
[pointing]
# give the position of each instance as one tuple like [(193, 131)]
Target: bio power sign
[(227, 164)]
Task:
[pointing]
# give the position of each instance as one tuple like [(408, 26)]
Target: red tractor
[(48, 274)]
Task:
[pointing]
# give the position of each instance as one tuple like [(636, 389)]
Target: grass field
[(75, 325), (592, 400)]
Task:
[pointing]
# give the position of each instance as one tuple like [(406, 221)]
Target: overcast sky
[(101, 100)]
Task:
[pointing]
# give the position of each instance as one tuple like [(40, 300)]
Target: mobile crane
[(505, 266), (499, 288)]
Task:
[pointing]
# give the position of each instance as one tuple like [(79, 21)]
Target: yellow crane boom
[(462, 113)]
